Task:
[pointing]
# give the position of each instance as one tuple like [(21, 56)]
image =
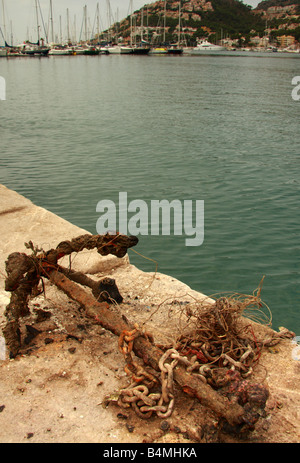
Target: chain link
[(132, 368), (138, 395)]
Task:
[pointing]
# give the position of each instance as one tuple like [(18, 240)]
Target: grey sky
[(20, 16)]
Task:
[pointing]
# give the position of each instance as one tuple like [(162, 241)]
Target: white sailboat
[(38, 48), (119, 50), (3, 50), (58, 50)]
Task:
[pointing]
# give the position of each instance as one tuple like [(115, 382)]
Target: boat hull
[(159, 51), (118, 50), (141, 51), (55, 52), (126, 50), (207, 50), (36, 51), (93, 51), (175, 51)]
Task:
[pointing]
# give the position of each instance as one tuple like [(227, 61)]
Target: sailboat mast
[(179, 22), (131, 22), (4, 26), (165, 14), (147, 24), (142, 25), (60, 30), (51, 19), (75, 30), (98, 23), (68, 26), (37, 21), (85, 22), (11, 34)]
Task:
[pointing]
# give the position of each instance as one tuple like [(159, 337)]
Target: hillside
[(229, 20), (277, 3), (282, 18)]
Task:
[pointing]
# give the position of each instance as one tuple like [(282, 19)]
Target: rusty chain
[(138, 395), (132, 368)]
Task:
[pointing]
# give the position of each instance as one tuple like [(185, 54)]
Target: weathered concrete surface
[(53, 392)]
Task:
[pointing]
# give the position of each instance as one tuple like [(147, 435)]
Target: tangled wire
[(215, 341)]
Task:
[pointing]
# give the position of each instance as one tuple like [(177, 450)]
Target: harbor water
[(76, 130)]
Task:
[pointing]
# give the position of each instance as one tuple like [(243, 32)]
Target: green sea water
[(222, 129)]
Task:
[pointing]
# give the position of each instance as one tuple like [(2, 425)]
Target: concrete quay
[(55, 390)]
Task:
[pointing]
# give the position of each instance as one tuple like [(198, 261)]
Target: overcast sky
[(20, 16)]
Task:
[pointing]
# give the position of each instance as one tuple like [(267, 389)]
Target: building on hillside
[(286, 41)]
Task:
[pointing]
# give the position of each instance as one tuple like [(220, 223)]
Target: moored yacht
[(35, 49), (91, 51), (140, 50), (205, 46), (175, 50), (62, 50)]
